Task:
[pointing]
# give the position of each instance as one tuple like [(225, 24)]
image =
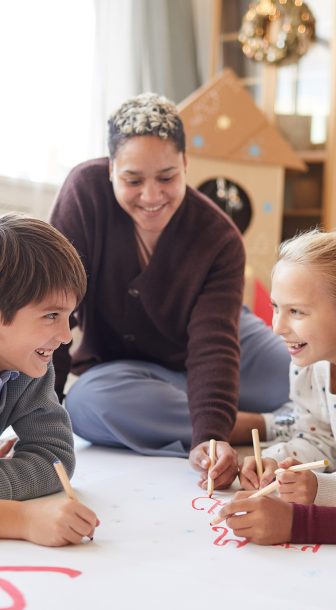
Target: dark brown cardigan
[(181, 312)]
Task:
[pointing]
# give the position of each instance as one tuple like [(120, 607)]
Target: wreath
[(277, 31)]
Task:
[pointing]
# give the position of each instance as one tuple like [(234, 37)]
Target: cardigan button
[(129, 338), (133, 292)]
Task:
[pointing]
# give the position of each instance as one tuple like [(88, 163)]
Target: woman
[(159, 355)]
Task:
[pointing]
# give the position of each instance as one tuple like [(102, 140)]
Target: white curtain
[(141, 45), (113, 74), (67, 65)]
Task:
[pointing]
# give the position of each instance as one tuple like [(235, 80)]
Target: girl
[(304, 303), (303, 296)]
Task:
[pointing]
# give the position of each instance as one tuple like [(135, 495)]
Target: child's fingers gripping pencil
[(257, 452), (265, 491), (301, 467), (63, 477), (297, 468), (212, 456)]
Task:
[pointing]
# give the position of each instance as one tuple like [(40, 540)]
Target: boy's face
[(37, 330)]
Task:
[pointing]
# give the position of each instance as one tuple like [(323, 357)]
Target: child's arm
[(49, 522), (310, 437), (264, 520), (270, 520), (44, 431)]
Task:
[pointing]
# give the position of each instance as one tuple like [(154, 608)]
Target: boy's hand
[(7, 447), (56, 521), (225, 468), (265, 520), (248, 473), (299, 487)]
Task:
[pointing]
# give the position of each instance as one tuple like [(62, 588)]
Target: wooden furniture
[(309, 198)]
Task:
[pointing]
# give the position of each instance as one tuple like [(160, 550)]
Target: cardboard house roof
[(222, 122)]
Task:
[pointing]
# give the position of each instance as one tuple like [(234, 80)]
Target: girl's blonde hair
[(314, 248)]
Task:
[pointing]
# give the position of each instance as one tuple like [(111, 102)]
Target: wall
[(31, 198)]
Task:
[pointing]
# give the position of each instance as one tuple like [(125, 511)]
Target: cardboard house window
[(231, 198)]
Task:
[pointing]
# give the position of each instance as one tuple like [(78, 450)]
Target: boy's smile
[(304, 313), (37, 330)]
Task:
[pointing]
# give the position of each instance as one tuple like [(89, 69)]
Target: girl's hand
[(56, 521), (299, 487), (225, 469), (248, 473), (264, 520)]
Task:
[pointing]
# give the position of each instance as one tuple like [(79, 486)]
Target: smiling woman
[(158, 361), (148, 176)]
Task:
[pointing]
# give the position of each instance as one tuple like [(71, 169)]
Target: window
[(47, 53)]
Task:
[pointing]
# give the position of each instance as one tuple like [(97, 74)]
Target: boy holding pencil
[(42, 281)]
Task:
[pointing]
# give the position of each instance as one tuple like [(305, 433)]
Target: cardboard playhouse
[(238, 159)]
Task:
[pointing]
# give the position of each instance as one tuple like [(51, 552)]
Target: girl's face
[(304, 314), (149, 181)]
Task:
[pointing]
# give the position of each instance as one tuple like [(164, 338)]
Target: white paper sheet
[(155, 549)]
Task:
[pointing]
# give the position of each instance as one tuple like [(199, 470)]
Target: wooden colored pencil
[(297, 468), (212, 456), (264, 491), (63, 477), (257, 452), (307, 466)]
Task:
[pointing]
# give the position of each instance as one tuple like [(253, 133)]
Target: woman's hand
[(264, 520), (225, 468), (299, 487), (56, 521), (248, 473)]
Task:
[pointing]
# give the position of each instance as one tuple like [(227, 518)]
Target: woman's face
[(149, 180)]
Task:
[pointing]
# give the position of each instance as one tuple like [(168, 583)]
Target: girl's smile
[(304, 313)]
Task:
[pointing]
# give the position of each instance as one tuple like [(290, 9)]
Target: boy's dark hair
[(35, 260), (147, 114)]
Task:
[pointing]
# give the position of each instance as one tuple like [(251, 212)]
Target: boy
[(42, 281)]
